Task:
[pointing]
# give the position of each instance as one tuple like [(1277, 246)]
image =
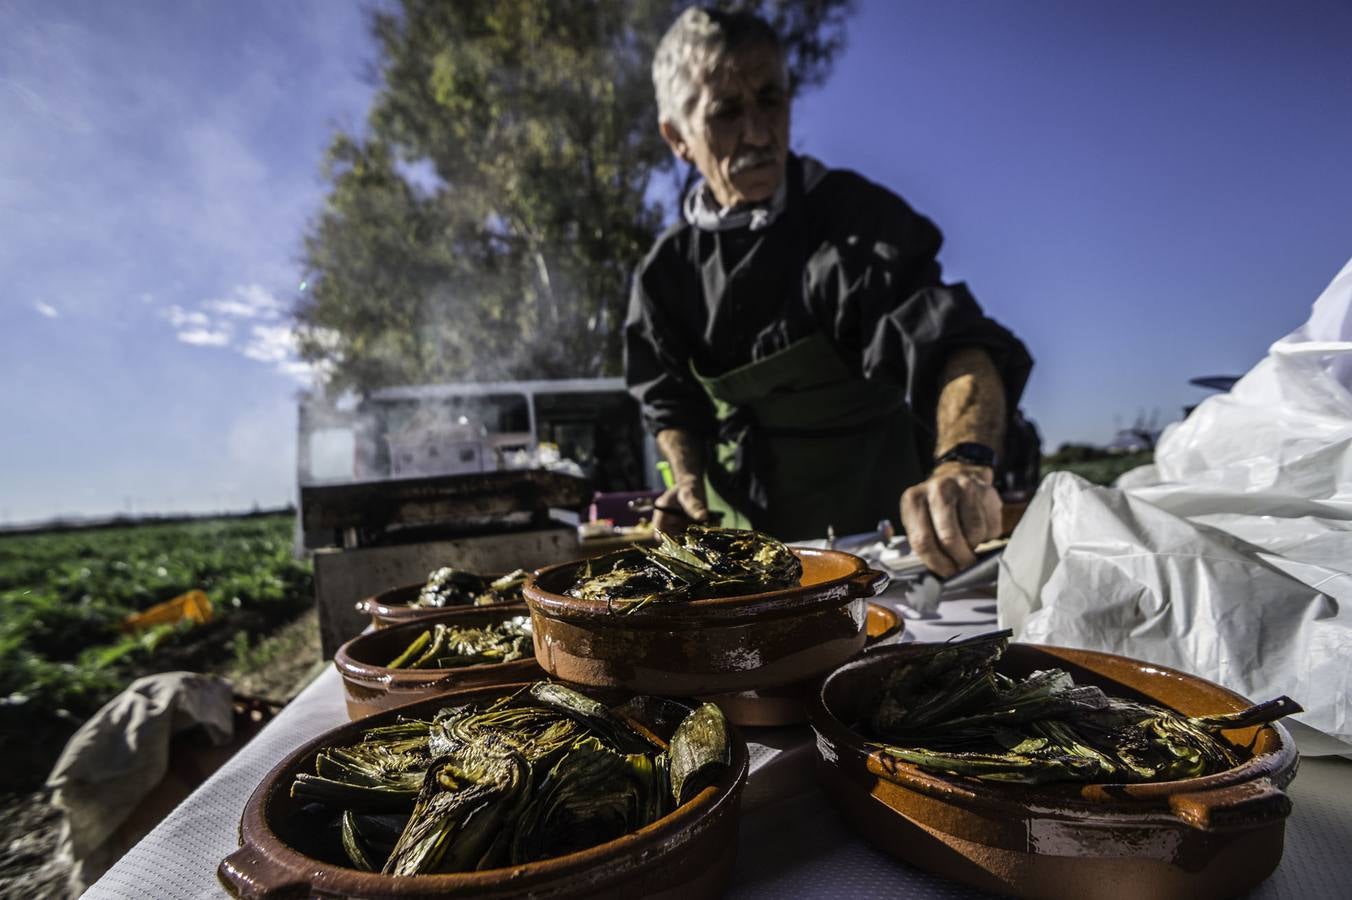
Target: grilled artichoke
[(542, 772), (948, 710), (705, 562)]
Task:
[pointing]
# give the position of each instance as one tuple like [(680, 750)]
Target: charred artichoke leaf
[(505, 589), (705, 562), (450, 587), (673, 549), (652, 779), (699, 751), (588, 797), (627, 580), (946, 709), (739, 553), (430, 653), (453, 647), (628, 560), (368, 838), (465, 801), (412, 651), (938, 682), (592, 714), (1026, 768), (534, 732), (353, 845), (512, 581), (1005, 710), (382, 771)]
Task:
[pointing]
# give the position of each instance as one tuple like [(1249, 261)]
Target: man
[(790, 340)]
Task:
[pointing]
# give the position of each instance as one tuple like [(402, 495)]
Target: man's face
[(737, 134)]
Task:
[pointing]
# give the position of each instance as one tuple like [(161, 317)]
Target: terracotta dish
[(686, 854), (1214, 836), (705, 647), (773, 707), (392, 607), (370, 686)]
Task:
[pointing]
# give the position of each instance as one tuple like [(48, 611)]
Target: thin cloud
[(276, 345), (249, 301), (46, 309), (299, 369), (205, 337), (185, 318), (271, 343)]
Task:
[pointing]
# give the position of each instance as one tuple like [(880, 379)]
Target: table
[(792, 841)]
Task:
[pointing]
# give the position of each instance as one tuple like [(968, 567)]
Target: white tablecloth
[(792, 841)]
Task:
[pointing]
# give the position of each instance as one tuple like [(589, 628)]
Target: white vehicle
[(590, 426)]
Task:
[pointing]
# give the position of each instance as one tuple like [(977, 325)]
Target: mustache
[(752, 158)]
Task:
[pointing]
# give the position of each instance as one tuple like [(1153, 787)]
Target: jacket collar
[(703, 212)]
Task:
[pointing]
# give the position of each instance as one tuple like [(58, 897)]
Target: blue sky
[(1145, 192)]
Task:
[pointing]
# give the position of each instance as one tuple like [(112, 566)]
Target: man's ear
[(674, 140)]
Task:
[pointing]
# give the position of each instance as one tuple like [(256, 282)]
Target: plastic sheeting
[(1231, 557)]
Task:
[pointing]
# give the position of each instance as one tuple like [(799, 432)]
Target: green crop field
[(64, 596), (1103, 468)]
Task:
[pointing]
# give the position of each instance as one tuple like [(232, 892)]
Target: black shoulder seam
[(671, 240)]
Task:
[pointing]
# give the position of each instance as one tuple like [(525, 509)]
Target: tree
[(538, 121)]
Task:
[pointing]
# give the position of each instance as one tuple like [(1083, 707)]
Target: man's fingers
[(995, 514), (915, 519), (693, 504), (972, 515), (944, 497), (679, 507), (672, 523), (667, 512)]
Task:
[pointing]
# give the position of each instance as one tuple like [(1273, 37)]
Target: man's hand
[(949, 514), (682, 505)]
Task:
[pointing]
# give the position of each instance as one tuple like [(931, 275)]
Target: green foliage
[(538, 119), (64, 595), (1075, 453), (1100, 467)]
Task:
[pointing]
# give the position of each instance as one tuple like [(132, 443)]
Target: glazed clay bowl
[(369, 685), (701, 648), (688, 853), (391, 607), (1213, 836), (778, 706)]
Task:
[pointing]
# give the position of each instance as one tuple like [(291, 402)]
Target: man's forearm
[(971, 401), (957, 507), (684, 452)]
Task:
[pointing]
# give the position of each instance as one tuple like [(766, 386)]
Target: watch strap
[(969, 452)]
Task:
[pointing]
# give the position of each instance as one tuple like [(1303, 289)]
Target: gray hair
[(694, 46)]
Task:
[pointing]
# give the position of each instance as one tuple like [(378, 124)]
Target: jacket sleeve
[(657, 366), (879, 288)]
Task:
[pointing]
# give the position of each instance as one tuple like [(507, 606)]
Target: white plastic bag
[(1231, 557), (1099, 568), (1286, 427)]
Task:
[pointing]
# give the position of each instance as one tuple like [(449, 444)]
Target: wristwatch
[(968, 452)]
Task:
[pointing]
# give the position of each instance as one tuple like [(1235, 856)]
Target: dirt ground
[(29, 827), (275, 668)]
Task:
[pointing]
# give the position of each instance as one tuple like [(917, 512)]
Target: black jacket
[(850, 259)]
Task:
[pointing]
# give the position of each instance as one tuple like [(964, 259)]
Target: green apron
[(827, 448)]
